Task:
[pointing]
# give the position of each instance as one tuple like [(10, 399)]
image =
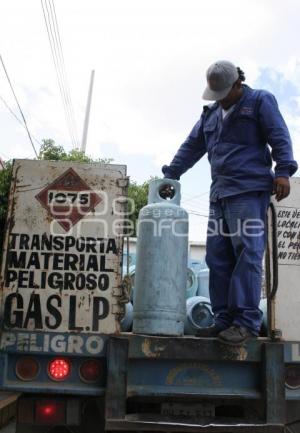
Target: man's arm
[(188, 154), (277, 135)]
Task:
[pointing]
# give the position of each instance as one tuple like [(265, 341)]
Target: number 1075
[(59, 198)]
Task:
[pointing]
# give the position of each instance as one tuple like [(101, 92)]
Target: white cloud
[(150, 59)]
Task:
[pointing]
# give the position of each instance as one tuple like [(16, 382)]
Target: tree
[(138, 193), (139, 198), (53, 152), (5, 179), (48, 151)]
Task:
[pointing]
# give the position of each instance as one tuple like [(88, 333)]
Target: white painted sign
[(287, 305), (68, 343), (61, 267), (288, 233)]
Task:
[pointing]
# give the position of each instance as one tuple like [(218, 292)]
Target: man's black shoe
[(210, 332), (235, 335)]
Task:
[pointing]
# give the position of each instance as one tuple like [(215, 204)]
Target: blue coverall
[(242, 182)]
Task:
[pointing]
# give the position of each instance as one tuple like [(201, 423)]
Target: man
[(236, 132)]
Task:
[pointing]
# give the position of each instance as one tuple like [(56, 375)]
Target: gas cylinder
[(131, 274), (132, 277), (191, 283), (126, 322), (263, 306), (131, 260), (203, 283), (198, 314), (159, 305)]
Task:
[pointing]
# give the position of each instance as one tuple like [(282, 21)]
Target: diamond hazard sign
[(68, 199)]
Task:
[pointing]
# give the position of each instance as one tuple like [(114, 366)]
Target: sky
[(150, 58)]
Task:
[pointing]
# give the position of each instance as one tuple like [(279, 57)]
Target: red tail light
[(50, 412), (91, 370), (59, 368), (27, 368)]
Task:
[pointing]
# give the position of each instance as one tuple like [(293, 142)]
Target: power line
[(17, 118), (193, 212), (57, 69), (199, 206), (195, 197), (59, 64), (23, 117), (191, 196), (60, 60), (4, 156), (65, 74), (197, 202), (199, 210)]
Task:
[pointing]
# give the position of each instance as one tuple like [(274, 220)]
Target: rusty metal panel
[(274, 383), (115, 397), (61, 270), (192, 348)]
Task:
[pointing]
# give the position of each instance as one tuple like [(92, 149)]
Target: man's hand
[(281, 187)]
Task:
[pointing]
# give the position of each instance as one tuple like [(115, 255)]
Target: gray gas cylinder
[(132, 277), (198, 314), (131, 274), (126, 322), (263, 306), (161, 267), (203, 283), (191, 283)]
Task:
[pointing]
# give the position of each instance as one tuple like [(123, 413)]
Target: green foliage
[(48, 151), (78, 155), (139, 198), (138, 193), (51, 151), (5, 179)]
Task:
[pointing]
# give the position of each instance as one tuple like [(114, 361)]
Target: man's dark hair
[(241, 74)]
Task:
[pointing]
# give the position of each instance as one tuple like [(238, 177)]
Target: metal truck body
[(61, 345)]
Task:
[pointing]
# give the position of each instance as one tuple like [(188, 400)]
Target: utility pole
[(87, 114)]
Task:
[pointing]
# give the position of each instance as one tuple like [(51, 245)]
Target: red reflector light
[(91, 370), (59, 368), (27, 368), (50, 412)]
